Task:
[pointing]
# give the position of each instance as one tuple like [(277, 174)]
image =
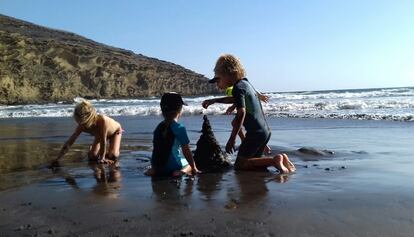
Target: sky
[(284, 45)]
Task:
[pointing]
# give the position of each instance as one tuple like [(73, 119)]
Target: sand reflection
[(108, 179), (252, 188), (171, 188), (210, 184)]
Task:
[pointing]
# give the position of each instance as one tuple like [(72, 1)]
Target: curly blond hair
[(230, 65), (85, 114)]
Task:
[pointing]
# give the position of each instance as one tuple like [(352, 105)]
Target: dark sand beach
[(363, 189)]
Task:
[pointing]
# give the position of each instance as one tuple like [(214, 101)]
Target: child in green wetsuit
[(169, 136), (230, 72), (264, 98)]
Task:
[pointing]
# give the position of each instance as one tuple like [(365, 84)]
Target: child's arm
[(263, 97), (102, 133), (180, 134), (69, 142), (241, 132), (189, 157), (230, 109), (222, 100), (238, 121)]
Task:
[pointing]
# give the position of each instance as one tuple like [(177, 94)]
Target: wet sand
[(364, 189)]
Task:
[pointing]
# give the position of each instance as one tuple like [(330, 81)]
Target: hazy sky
[(284, 45)]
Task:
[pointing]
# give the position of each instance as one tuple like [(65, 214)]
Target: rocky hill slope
[(39, 64)]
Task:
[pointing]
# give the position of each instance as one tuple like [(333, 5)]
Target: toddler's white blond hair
[(84, 113)]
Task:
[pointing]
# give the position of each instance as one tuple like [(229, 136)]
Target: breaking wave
[(395, 104)]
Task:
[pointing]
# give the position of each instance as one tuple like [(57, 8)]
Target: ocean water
[(396, 104)]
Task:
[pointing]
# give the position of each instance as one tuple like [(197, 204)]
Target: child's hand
[(230, 110), (207, 103), (54, 164), (63, 151), (230, 145), (264, 98), (105, 161), (195, 171)]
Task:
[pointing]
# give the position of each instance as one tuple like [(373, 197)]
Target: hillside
[(39, 65)]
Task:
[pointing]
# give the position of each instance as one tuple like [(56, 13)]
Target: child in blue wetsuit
[(169, 136)]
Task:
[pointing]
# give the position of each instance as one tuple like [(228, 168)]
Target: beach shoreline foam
[(393, 104)]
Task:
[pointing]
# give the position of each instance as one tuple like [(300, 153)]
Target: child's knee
[(243, 164), (94, 148), (92, 155), (113, 155)]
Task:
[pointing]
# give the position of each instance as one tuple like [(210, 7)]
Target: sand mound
[(208, 156)]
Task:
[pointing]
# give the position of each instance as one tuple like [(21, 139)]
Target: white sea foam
[(371, 104), (343, 94)]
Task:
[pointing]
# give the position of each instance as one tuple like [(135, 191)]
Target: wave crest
[(382, 104)]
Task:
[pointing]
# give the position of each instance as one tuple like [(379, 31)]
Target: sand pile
[(209, 156)]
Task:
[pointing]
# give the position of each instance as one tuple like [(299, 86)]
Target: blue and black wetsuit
[(166, 156)]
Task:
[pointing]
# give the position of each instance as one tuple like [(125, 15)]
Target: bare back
[(104, 123)]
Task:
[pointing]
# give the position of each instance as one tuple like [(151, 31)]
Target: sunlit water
[(395, 104)]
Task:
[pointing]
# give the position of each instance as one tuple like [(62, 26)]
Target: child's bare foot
[(289, 165), (279, 164)]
